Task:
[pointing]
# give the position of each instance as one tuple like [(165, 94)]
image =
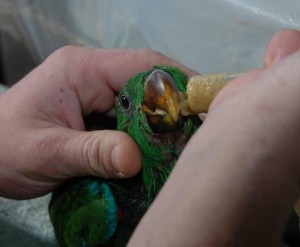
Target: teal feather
[(92, 212), (89, 199)]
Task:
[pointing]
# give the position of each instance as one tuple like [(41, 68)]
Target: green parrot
[(88, 212)]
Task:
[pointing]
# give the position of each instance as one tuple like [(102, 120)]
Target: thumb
[(105, 153), (282, 45)]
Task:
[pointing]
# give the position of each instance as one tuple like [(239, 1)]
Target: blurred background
[(206, 35)]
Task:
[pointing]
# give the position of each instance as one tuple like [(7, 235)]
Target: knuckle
[(98, 155), (66, 51), (50, 149), (152, 57), (150, 53), (63, 55), (44, 153)]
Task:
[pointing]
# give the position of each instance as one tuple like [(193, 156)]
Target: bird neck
[(154, 175)]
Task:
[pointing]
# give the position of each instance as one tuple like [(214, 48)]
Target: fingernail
[(120, 175), (202, 116), (274, 58), (116, 162)]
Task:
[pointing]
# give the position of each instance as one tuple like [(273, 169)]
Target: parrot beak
[(161, 103)]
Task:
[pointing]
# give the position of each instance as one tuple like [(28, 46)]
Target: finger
[(104, 153), (96, 74), (281, 46), (235, 87)]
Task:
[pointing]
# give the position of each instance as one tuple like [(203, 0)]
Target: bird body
[(88, 212)]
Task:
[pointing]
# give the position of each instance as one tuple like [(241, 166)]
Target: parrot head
[(148, 109), (155, 96)]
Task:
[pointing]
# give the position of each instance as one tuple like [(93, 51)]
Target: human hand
[(237, 180), (43, 141)]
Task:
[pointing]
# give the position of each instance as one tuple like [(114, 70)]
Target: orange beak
[(161, 103)]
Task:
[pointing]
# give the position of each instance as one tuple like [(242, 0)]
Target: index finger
[(97, 74), (282, 45)]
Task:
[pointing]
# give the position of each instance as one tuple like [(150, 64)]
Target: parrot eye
[(124, 102)]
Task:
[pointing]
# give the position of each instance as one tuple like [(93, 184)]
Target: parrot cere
[(89, 212)]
